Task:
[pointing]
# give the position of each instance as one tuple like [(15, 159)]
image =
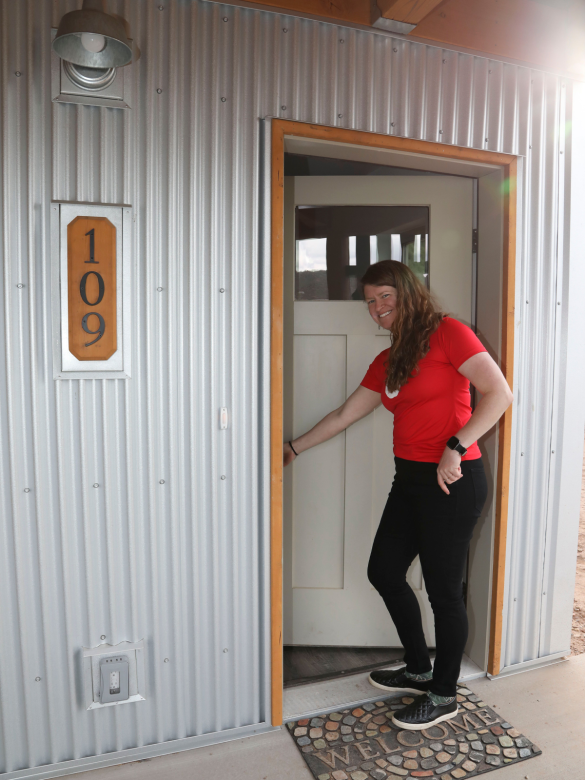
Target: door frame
[(508, 163)]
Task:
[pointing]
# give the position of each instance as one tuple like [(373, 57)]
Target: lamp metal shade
[(67, 44)]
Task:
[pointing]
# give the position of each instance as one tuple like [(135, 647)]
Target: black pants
[(420, 519)]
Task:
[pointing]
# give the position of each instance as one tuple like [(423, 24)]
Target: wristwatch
[(455, 444)]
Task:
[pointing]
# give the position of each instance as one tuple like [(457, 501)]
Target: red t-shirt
[(435, 403)]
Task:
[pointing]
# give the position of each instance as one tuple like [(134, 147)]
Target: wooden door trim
[(508, 163)]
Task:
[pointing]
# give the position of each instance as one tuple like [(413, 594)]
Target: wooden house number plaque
[(91, 281)]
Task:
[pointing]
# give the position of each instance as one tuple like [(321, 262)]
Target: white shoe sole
[(421, 726), (416, 691)]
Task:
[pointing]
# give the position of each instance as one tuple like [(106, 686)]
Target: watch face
[(455, 444)]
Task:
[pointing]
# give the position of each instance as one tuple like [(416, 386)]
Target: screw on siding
[(159, 289), (486, 140), (20, 286), (103, 636), (341, 40), (37, 679), (17, 73), (558, 303), (284, 29), (223, 476), (223, 99), (96, 484), (444, 61), (166, 660), (440, 132), (283, 108), (340, 116), (161, 482), (392, 124), (159, 90), (530, 147), (221, 289), (395, 49), (27, 490), (225, 19), (489, 71), (161, 8), (521, 453), (553, 452), (225, 649)]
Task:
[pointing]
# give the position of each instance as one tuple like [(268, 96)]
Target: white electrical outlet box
[(113, 674)]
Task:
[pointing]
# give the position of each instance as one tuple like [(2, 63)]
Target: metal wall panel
[(166, 549), (534, 526)]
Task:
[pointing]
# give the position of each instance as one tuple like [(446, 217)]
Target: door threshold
[(305, 701)]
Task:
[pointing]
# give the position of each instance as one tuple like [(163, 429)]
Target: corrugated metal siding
[(533, 527), (181, 564)]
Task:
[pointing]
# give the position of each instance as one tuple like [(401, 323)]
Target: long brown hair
[(417, 318)]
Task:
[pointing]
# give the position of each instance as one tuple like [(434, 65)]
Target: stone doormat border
[(362, 743)]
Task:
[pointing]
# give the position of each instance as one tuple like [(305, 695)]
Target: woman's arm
[(485, 375), (358, 405)]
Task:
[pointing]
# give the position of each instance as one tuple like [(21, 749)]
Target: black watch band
[(455, 444)]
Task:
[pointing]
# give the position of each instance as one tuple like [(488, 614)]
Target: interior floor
[(347, 690), (305, 664)]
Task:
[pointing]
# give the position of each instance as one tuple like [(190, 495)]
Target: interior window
[(336, 244)]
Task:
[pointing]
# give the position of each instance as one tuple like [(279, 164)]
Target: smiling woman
[(411, 324), (440, 485), (382, 303)]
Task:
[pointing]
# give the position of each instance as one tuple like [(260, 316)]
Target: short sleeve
[(459, 342), (375, 377)]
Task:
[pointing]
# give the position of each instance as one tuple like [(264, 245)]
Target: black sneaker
[(396, 680), (422, 714)]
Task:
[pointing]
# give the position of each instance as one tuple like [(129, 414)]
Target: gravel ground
[(578, 634)]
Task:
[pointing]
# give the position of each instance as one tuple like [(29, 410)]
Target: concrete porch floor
[(547, 705)]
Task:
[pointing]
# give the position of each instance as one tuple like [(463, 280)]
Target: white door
[(335, 493)]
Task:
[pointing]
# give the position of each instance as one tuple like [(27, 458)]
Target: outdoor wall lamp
[(91, 38)]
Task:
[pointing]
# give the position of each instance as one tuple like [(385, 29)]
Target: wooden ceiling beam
[(409, 11), (526, 30)]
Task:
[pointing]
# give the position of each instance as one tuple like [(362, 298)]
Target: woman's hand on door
[(360, 403)]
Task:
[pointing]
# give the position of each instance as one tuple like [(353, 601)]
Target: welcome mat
[(363, 743)]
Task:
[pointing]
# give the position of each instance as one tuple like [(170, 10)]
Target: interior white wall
[(489, 329), (287, 399)]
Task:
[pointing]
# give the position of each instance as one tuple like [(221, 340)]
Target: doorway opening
[(334, 622), (323, 595)]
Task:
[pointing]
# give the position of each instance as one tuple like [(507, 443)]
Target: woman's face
[(381, 304)]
